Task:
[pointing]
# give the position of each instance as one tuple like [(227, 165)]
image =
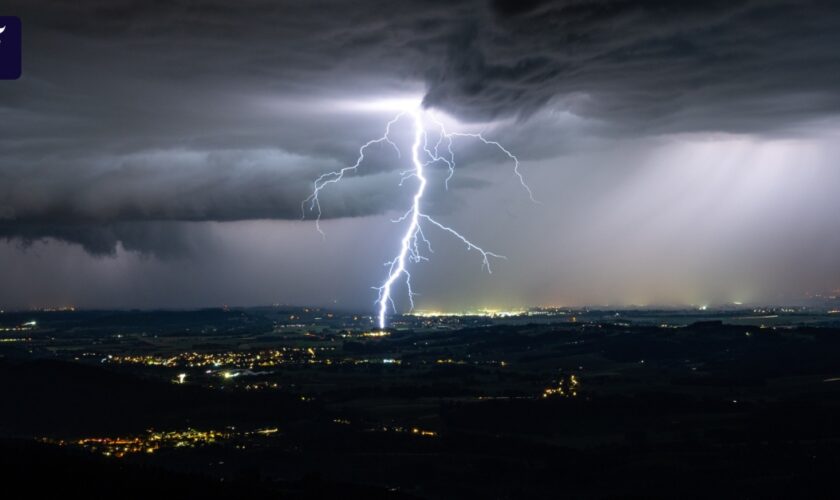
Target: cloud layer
[(135, 117)]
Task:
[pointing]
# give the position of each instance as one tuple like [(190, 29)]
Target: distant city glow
[(490, 313)]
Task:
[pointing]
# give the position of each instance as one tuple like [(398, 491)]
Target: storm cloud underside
[(138, 122)]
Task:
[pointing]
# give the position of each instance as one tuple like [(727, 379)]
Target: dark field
[(300, 403)]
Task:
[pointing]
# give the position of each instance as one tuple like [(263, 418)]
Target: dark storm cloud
[(135, 113), (659, 65), (616, 59), (163, 239)]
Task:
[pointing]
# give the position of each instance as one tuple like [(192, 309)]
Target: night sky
[(156, 153)]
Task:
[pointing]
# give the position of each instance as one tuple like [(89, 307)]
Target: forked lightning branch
[(428, 150)]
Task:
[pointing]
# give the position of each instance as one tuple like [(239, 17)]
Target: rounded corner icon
[(11, 53)]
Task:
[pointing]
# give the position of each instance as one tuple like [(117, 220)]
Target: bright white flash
[(423, 155)]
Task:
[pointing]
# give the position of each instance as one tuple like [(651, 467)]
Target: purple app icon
[(10, 48)]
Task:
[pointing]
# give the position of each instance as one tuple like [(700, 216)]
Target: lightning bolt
[(423, 155)]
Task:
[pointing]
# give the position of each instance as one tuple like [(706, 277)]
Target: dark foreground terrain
[(300, 403)]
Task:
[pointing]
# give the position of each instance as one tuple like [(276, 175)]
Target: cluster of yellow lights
[(22, 328), (261, 386), (376, 334), (408, 430), (233, 365), (260, 359), (231, 374), (153, 441), (564, 388)]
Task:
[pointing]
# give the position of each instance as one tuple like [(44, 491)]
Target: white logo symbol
[(2, 29)]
